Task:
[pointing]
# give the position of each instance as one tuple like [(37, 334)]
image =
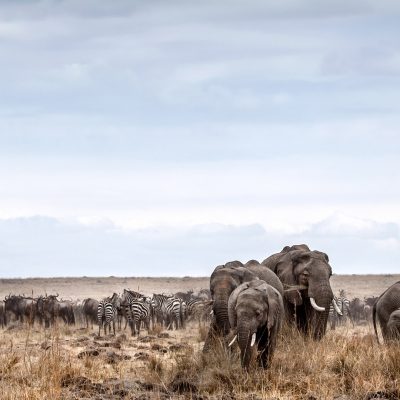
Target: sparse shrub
[(203, 332), (155, 365), (156, 329)]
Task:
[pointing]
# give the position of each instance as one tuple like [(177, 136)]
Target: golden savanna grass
[(40, 364), (73, 363)]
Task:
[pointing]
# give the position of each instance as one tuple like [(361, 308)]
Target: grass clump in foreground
[(45, 364)]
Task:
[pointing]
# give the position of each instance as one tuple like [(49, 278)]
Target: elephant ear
[(233, 301), (285, 271), (242, 274), (275, 308)]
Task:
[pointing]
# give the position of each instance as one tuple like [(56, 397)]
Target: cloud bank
[(43, 246)]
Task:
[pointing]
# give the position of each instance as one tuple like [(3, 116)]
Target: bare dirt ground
[(81, 288), (72, 362)]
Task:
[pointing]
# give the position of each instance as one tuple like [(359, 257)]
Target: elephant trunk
[(245, 335), (323, 296), (220, 308)]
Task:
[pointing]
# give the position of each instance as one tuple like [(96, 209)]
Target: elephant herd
[(251, 302)]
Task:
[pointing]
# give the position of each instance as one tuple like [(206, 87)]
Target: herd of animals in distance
[(246, 303)]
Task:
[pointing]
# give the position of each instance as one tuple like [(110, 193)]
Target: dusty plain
[(73, 362), (98, 287)]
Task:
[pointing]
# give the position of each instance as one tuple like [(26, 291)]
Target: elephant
[(387, 310), (308, 295), (265, 274), (271, 260), (255, 311), (223, 281)]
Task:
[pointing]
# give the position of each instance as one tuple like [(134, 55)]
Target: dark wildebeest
[(3, 320), (21, 307), (53, 309), (89, 308)]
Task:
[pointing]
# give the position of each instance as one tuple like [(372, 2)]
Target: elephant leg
[(302, 320), (263, 348)]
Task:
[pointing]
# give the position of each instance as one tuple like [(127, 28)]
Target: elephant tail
[(374, 321)]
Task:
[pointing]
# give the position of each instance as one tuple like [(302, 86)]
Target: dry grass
[(36, 364), (73, 363)]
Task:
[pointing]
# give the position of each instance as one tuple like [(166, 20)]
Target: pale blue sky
[(164, 138)]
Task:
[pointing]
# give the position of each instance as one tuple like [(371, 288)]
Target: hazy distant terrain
[(97, 287)]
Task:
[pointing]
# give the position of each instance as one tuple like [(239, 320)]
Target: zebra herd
[(355, 310), (171, 311)]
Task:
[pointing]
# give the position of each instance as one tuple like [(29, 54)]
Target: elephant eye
[(258, 312)]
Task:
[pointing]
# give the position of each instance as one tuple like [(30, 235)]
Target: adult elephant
[(224, 280), (308, 295), (265, 274), (272, 259), (255, 313), (387, 309)]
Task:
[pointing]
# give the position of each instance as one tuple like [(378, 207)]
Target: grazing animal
[(169, 309), (255, 314), (89, 309), (127, 297), (387, 310), (3, 320), (139, 311), (106, 314), (340, 314), (308, 272)]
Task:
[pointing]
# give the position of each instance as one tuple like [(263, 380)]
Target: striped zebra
[(344, 306), (127, 297), (139, 311), (170, 310), (107, 313), (198, 308)]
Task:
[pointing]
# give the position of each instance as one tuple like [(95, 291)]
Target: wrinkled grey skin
[(223, 281), (256, 307), (265, 274), (387, 310), (271, 261), (297, 266)]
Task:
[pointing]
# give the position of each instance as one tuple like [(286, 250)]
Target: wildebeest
[(3, 321), (22, 308), (51, 309), (89, 309)]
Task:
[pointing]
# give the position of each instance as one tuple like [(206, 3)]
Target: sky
[(153, 138)]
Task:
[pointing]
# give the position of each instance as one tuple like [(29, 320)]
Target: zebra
[(127, 297), (344, 306), (107, 313), (198, 307), (139, 311), (171, 309)]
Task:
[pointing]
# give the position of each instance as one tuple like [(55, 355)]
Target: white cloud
[(42, 246)]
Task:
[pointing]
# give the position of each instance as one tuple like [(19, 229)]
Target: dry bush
[(156, 329), (43, 364)]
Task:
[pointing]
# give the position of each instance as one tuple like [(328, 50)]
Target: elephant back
[(273, 259), (265, 274)]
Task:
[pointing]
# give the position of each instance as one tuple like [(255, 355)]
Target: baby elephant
[(255, 314)]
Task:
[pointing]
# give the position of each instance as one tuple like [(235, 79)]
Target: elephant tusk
[(336, 307), (315, 306), (211, 312), (232, 341), (253, 339)]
